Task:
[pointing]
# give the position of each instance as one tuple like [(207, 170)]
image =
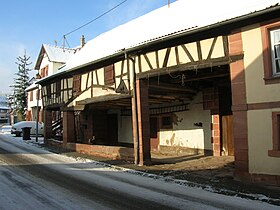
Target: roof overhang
[(40, 58)]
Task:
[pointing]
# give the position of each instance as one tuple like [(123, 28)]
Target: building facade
[(49, 60), (212, 89)]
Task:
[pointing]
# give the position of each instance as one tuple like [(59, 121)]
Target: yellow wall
[(256, 89), (259, 121), (260, 141)]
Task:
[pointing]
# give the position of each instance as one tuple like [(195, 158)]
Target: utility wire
[(95, 19)]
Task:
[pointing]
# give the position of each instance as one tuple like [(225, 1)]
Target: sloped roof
[(32, 86), (182, 15), (55, 54)]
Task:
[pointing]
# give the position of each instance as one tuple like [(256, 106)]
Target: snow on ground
[(92, 170)]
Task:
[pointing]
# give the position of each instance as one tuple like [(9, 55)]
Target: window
[(31, 95), (275, 152), (275, 50), (166, 122), (271, 51)]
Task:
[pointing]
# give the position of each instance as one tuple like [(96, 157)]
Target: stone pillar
[(68, 128), (47, 125), (239, 108), (143, 122), (216, 135)]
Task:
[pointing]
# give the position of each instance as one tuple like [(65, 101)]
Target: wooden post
[(143, 122)]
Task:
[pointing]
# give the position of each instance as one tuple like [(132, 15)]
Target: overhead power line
[(64, 36)]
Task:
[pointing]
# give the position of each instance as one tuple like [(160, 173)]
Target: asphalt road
[(33, 178)]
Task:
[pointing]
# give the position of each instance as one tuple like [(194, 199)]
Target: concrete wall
[(184, 133)]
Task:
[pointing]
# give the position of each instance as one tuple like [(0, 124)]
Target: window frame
[(266, 28), (275, 152), (273, 59)]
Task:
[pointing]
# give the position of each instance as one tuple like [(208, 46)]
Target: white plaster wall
[(184, 133), (55, 67), (45, 61), (125, 134), (34, 102), (260, 141)]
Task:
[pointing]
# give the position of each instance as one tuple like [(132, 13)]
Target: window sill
[(274, 153), (272, 80)]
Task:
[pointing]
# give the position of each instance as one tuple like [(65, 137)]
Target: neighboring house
[(178, 78), (4, 109), (49, 60)]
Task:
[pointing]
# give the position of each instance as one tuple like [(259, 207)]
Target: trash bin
[(26, 133)]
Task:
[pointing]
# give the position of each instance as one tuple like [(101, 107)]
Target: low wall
[(183, 150), (113, 152), (54, 143)]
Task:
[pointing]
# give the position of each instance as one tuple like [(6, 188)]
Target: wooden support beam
[(166, 57), (171, 95), (148, 61), (169, 87), (205, 77), (212, 48)]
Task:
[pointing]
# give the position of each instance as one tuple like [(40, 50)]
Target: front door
[(227, 132)]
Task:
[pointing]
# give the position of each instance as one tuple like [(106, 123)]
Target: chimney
[(82, 41)]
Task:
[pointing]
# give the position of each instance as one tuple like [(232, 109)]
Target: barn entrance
[(176, 92)]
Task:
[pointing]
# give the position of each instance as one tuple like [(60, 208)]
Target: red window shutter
[(109, 75), (42, 73), (31, 95), (76, 84), (46, 70)]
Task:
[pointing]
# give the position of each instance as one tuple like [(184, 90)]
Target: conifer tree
[(21, 82)]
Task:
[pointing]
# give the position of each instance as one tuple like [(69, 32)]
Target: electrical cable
[(95, 18)]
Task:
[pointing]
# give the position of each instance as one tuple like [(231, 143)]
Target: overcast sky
[(26, 25)]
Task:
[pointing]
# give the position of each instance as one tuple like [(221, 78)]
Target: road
[(33, 178)]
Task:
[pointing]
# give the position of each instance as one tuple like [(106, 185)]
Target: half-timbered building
[(49, 60), (178, 78)]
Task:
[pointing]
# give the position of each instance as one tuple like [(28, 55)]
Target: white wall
[(184, 133), (125, 129)]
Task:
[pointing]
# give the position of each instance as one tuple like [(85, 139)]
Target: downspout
[(135, 108)]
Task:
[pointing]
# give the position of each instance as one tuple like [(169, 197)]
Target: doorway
[(154, 133)]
